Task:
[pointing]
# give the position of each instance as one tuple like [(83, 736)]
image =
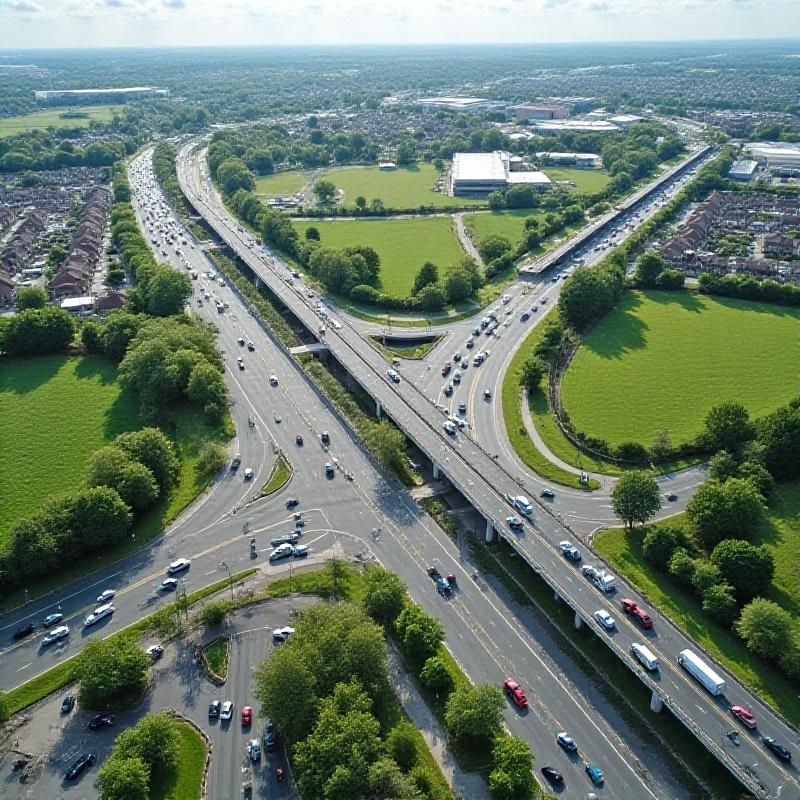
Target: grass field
[(44, 119), (587, 180), (404, 245), (500, 223), (282, 183), (405, 187), (54, 412), (184, 782), (663, 359)]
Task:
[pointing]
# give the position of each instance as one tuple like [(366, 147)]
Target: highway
[(484, 483)]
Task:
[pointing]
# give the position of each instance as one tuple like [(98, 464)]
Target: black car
[(291, 538), (552, 774), (773, 744), (68, 704), (269, 736), (292, 502), (213, 709), (25, 630), (86, 760), (102, 719)]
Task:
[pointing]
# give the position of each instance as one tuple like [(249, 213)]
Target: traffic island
[(280, 474), (213, 659)]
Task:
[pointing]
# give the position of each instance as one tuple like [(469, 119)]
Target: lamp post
[(223, 565)]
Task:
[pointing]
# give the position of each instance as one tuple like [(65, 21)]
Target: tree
[(56, 257), (635, 498), (730, 510), (91, 338), (661, 447), (215, 612), (588, 294), (435, 675), (387, 444), (149, 446), (765, 627), (722, 466), (167, 292), (361, 202), (521, 197), (474, 712), (660, 543), (759, 476), (213, 457), (682, 567), (496, 201), (110, 671), (428, 274), (532, 373), (728, 427), (387, 782), (124, 779), (513, 760), (324, 190), (493, 247), (747, 568), (233, 175), (457, 285), (31, 297), (779, 434), (705, 576), (312, 234), (136, 486), (648, 267), (207, 390), (401, 745), (36, 331), (720, 604), (419, 633), (432, 298), (384, 594), (154, 739)]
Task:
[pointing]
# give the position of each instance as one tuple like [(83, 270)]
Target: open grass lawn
[(500, 223), (661, 360), (587, 180), (44, 119), (282, 183), (54, 411), (404, 245), (184, 782), (782, 538), (405, 187)]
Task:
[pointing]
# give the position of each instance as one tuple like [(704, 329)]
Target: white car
[(98, 614), (605, 619), (273, 380), (57, 633), (178, 566), (227, 710), (106, 596), (282, 551), (282, 634)]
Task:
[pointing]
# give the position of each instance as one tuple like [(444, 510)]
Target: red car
[(744, 716), (446, 368), (514, 691), (247, 715), (639, 614), (298, 440)]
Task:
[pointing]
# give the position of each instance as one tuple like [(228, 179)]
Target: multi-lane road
[(483, 481)]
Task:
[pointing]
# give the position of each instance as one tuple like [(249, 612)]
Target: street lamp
[(223, 565)]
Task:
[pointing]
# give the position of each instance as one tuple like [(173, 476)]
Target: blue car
[(595, 774)]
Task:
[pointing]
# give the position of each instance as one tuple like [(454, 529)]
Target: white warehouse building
[(478, 174), (775, 154)]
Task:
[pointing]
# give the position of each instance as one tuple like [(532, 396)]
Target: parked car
[(744, 716), (269, 736), (214, 709), (68, 704), (83, 762), (566, 742), (102, 721), (514, 691), (282, 634), (25, 630), (226, 712), (254, 750), (247, 716)]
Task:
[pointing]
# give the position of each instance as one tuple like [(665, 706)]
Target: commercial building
[(471, 104), (625, 120), (575, 125), (478, 174), (743, 170), (545, 111), (579, 160), (775, 154), (87, 97)]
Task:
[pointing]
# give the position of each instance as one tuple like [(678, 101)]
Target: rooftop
[(478, 167), (594, 126), (527, 178)]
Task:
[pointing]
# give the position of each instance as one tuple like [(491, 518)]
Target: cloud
[(177, 4), (24, 7)]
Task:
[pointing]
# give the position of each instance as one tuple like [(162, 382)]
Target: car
[(525, 316), (783, 753), (639, 614), (605, 619), (457, 377), (534, 309), (469, 344), (487, 394), (102, 721), (292, 502), (25, 630), (169, 585), (477, 331), (514, 691), (329, 468), (52, 619), (68, 704), (247, 716), (457, 357), (248, 474), (566, 742), (214, 709), (106, 596), (254, 750), (155, 651), (269, 736), (446, 368), (273, 380), (286, 538), (251, 347), (98, 614), (552, 775), (543, 300), (199, 302), (282, 634), (568, 550), (392, 376), (671, 497), (226, 712), (515, 523), (282, 551), (178, 566), (298, 440), (595, 774), (240, 340), (744, 716), (448, 390), (325, 438), (84, 761), (240, 362), (56, 634), (549, 493), (462, 407)]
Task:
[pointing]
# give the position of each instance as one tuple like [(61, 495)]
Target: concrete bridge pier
[(436, 471), (489, 531), (378, 409), (578, 621), (656, 703)]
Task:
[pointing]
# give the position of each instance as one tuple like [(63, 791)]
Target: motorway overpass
[(485, 484)]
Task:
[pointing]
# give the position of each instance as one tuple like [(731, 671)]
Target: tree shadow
[(688, 301), (626, 333), (26, 374), (411, 168), (121, 416), (96, 368)]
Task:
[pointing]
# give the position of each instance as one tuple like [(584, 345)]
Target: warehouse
[(471, 104), (578, 160), (775, 154), (576, 125), (544, 111), (478, 174), (86, 97), (743, 170)]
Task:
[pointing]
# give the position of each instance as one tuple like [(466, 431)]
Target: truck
[(600, 578), (701, 672)]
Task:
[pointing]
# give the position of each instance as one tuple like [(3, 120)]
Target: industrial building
[(625, 120), (775, 154), (579, 160), (743, 170), (575, 125), (544, 111), (471, 104), (87, 97), (478, 174)]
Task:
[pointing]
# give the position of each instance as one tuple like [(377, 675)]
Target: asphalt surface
[(484, 482)]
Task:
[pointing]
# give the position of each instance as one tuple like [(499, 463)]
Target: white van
[(300, 551), (449, 427), (644, 656)]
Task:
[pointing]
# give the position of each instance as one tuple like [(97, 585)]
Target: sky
[(113, 23)]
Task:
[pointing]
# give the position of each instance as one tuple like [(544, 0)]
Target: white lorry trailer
[(698, 668)]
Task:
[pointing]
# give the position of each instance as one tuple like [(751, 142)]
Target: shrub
[(747, 568), (401, 745), (475, 712), (384, 595), (109, 671), (705, 576), (765, 627), (512, 775), (682, 567), (435, 675), (720, 604), (215, 612), (660, 543)]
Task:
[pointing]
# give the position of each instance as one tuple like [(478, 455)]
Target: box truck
[(698, 668)]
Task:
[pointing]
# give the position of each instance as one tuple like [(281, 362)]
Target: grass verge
[(280, 474), (216, 656), (185, 780)]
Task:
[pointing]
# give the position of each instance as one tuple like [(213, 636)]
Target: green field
[(661, 360), (54, 411), (500, 223), (282, 183), (586, 180), (404, 245), (184, 781), (405, 187), (44, 119)]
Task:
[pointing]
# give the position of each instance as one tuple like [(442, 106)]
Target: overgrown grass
[(661, 360), (38, 120), (434, 507), (185, 780), (282, 183), (279, 476), (586, 180), (216, 655), (404, 245)]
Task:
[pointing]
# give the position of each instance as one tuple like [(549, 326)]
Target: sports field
[(44, 119), (404, 245), (663, 359), (405, 187), (587, 180), (282, 183), (54, 411), (501, 223)]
